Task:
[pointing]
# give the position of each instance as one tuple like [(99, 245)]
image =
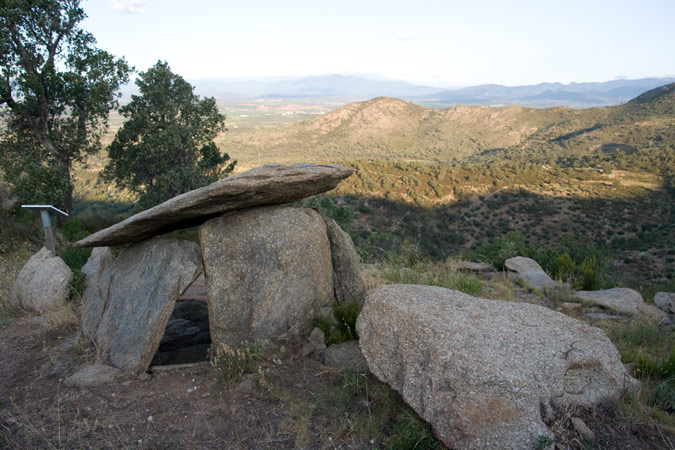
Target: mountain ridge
[(394, 128)]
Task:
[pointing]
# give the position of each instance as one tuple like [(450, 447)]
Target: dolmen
[(270, 267)]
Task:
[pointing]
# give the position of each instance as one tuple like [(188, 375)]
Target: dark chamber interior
[(186, 336)]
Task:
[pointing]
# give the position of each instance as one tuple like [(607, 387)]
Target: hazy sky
[(445, 42)]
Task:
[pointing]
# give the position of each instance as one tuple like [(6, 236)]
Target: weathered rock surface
[(265, 185), (346, 263), (97, 272), (665, 301), (530, 272), (624, 300), (345, 357), (484, 373), (536, 279), (42, 283), (315, 344), (268, 273), (92, 375), (126, 311), (520, 264)]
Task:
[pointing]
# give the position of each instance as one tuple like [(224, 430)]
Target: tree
[(58, 89), (165, 146)]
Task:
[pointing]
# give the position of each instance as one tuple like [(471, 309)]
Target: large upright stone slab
[(346, 271), (43, 283), (128, 301), (485, 373), (265, 185), (268, 272)]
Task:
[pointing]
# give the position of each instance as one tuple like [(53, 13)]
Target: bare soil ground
[(185, 409)]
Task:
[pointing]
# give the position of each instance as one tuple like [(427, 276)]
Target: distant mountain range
[(355, 88)]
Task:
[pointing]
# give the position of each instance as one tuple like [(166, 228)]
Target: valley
[(442, 182)]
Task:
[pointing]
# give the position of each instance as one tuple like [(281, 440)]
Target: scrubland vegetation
[(589, 194)]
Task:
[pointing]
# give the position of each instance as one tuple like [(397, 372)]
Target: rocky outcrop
[(268, 273), (128, 301), (265, 185), (346, 274), (43, 283), (624, 300), (485, 373), (530, 272)]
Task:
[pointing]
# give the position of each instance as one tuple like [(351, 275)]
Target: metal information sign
[(46, 222)]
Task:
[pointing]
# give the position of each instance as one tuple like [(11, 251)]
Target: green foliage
[(544, 442), (18, 226), (411, 433), (498, 250), (664, 396), (342, 326), (566, 267), (73, 230), (166, 147), (590, 279), (345, 317), (649, 347), (342, 214), (75, 258), (58, 89)]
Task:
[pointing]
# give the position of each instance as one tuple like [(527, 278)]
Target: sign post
[(46, 223)]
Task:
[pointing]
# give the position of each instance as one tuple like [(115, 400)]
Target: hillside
[(446, 181), (395, 129)]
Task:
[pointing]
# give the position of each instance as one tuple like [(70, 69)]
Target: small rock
[(316, 343), (145, 376), (345, 357), (247, 384), (571, 306), (583, 429), (206, 395), (92, 375)]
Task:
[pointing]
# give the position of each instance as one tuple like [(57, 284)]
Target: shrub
[(590, 280), (342, 326), (232, 364), (566, 268)]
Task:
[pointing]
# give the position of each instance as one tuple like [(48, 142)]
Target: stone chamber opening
[(186, 337)]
